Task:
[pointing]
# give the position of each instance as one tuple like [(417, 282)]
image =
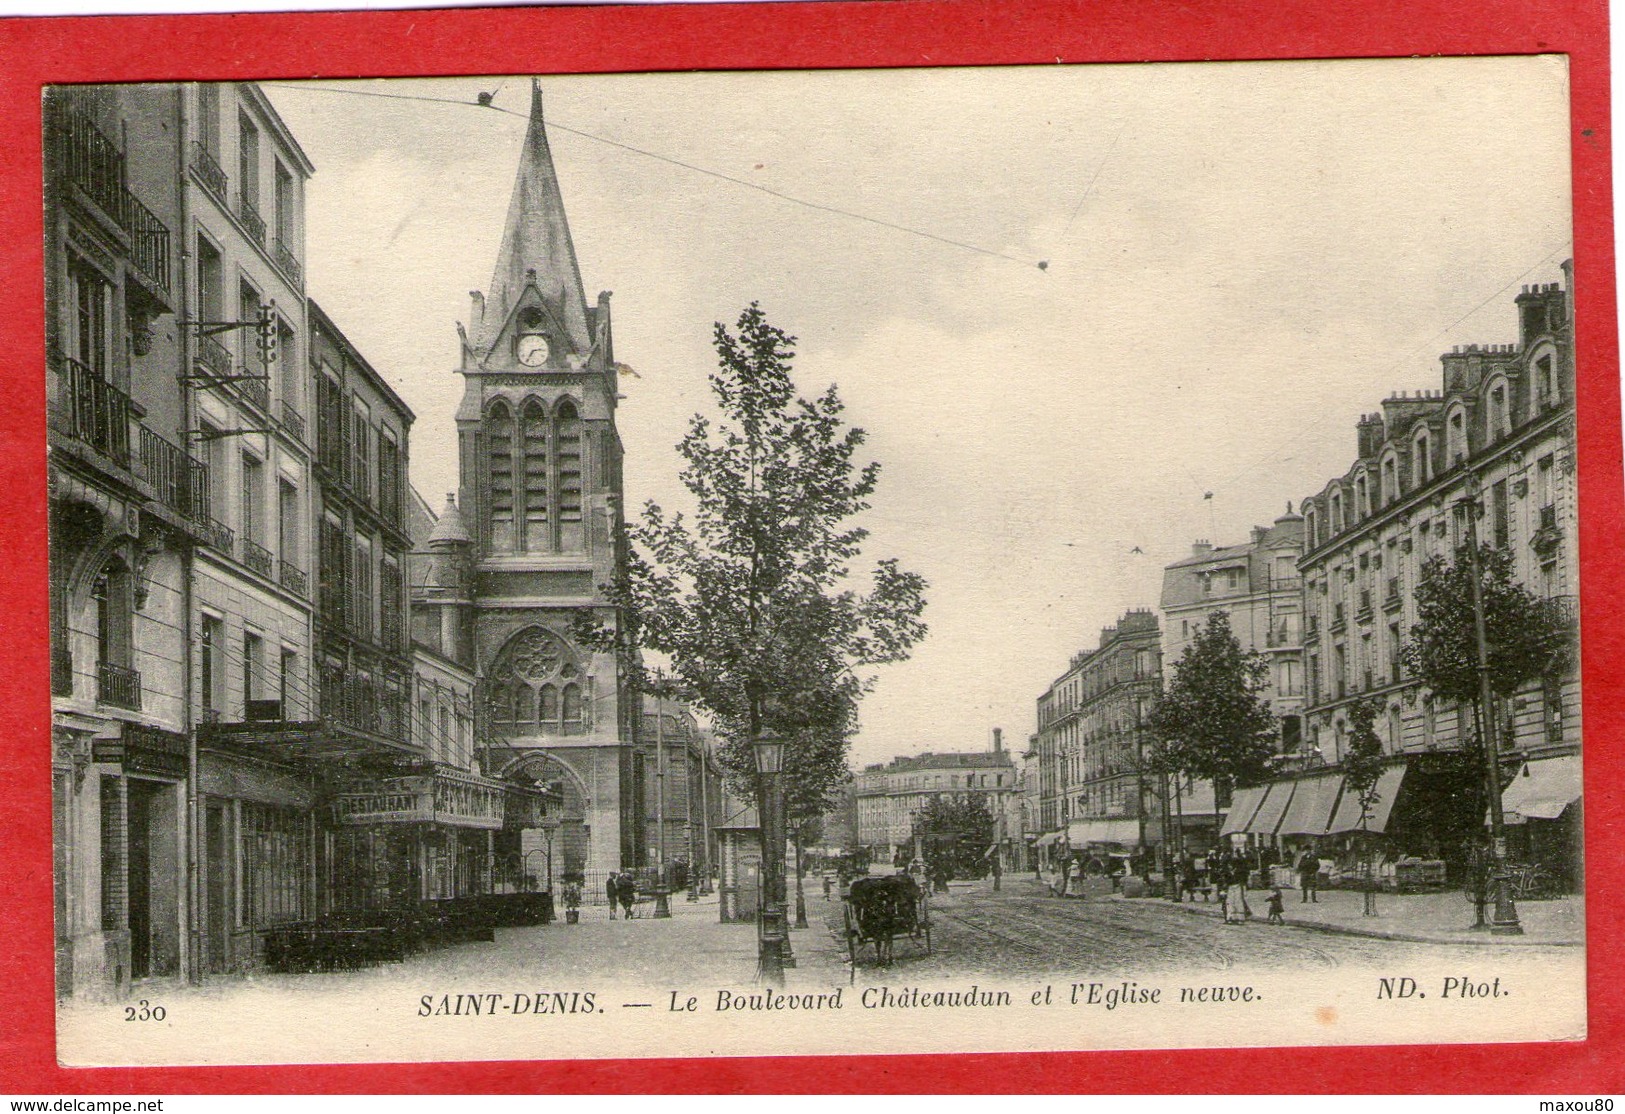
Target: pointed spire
[(536, 245)]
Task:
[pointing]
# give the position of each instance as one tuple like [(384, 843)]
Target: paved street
[(1022, 931)]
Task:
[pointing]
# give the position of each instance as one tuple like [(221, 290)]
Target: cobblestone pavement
[(1021, 932)]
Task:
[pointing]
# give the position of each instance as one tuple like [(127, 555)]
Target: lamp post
[(662, 909), (1504, 921), (772, 939)]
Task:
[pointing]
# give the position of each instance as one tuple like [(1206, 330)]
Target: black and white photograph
[(1012, 558)]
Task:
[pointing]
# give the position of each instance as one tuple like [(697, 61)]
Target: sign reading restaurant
[(439, 798)]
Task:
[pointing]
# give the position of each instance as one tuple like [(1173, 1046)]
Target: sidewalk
[(1434, 918)]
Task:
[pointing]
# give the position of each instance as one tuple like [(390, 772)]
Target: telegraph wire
[(485, 101), (1275, 456)]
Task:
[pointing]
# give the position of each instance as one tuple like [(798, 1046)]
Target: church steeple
[(536, 267)]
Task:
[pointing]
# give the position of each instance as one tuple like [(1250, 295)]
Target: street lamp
[(772, 938)]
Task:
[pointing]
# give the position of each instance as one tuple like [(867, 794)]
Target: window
[(361, 618), (248, 309), (1362, 503), (1337, 512), (1389, 490), (288, 522), (288, 359), (274, 864), (499, 459), (248, 161), (392, 629), (1499, 530), (111, 592), (1543, 483), (389, 476), (284, 206), (253, 506), (213, 676), (1545, 383), (427, 727), (1456, 437), (211, 291), (361, 451), (208, 118), (332, 424), (1312, 528), (1422, 465), (90, 341), (286, 682), (333, 571), (253, 675), (1498, 413), (536, 477), (571, 536)]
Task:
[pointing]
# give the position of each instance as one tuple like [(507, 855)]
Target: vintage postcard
[(429, 683)]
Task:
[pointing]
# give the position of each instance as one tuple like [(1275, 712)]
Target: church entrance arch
[(572, 840)]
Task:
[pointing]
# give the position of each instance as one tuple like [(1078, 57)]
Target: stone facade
[(889, 794)]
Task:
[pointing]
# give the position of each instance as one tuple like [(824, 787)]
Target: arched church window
[(499, 450), (524, 711), (572, 709), (535, 442), (550, 708), (571, 535)]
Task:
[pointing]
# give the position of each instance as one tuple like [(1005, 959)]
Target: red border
[(779, 36)]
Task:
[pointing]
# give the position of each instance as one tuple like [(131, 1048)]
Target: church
[(532, 540)]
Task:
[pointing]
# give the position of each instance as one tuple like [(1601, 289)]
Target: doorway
[(217, 886), (153, 879)]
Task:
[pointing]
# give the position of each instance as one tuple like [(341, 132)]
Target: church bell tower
[(540, 472)]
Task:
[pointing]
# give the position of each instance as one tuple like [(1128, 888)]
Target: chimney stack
[(998, 740)]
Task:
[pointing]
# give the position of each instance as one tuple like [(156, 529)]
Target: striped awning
[(1268, 816), (1243, 806), (1313, 801), (1347, 818), (1047, 839)]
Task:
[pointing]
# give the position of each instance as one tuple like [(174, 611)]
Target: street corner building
[(1490, 456), (299, 719)]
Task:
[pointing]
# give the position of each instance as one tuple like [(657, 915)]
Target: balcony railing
[(212, 356), (363, 706), (294, 578), (94, 411), (293, 421), (61, 671), (252, 221), (149, 243), (180, 481), (256, 390), (1568, 607), (207, 168), (219, 536), (118, 686), (93, 162), (287, 260), (258, 558)]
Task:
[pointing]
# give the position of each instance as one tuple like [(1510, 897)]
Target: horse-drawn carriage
[(879, 910)]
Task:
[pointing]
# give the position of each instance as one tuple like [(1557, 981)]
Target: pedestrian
[(612, 890), (1275, 905), (1309, 877), (628, 892)]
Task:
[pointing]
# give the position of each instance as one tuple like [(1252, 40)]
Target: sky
[(1239, 260)]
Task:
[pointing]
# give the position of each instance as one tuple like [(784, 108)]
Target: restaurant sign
[(458, 800)]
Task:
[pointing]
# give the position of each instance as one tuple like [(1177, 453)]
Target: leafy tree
[(1527, 636), (1211, 721), (751, 597), (1362, 767), (955, 831)]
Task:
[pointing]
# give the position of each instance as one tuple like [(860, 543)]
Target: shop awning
[(1047, 839), (1347, 818), (1243, 806), (1310, 811), (1124, 831), (1542, 789), (1268, 816)]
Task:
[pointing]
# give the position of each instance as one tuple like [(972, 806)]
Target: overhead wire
[(693, 167)]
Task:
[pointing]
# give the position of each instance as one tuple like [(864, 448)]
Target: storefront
[(1543, 811)]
